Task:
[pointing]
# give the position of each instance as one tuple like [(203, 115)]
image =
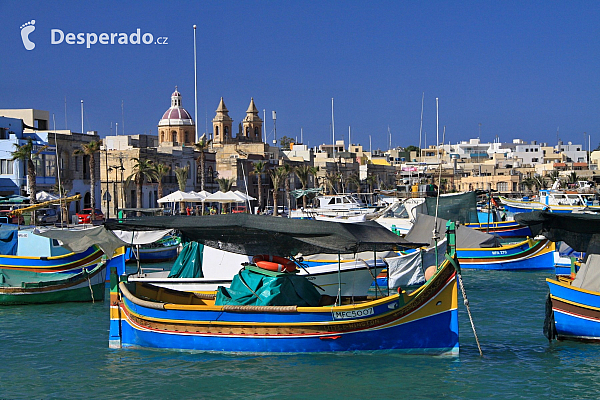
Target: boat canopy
[(580, 231), (457, 207), (422, 229), (588, 276), (263, 234)]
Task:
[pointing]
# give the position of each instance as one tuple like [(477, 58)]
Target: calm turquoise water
[(61, 351)]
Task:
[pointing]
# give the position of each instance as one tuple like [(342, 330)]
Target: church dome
[(176, 115)]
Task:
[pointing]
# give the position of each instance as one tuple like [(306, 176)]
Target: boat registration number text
[(353, 313), (499, 253)]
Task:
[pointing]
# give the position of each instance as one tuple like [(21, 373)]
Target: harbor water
[(61, 351)]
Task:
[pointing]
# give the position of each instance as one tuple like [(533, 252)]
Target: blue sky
[(520, 69)]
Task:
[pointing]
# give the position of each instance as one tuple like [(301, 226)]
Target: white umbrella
[(220, 197), (45, 196), (179, 196), (244, 196)]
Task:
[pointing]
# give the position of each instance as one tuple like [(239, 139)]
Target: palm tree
[(540, 182), (354, 179), (573, 178), (162, 170), (303, 172), (23, 153), (182, 176), (90, 149), (288, 170), (258, 169), (371, 180), (62, 192), (225, 184), (331, 180), (202, 146), (277, 176), (142, 170)]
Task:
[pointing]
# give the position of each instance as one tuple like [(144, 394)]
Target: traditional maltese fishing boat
[(269, 311), (37, 269), (573, 303)]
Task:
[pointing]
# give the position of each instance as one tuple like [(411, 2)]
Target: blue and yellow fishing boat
[(36, 269), (231, 320), (573, 305)]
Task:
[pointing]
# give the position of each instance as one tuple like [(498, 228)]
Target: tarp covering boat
[(80, 240), (250, 288), (262, 234), (189, 262), (588, 276), (409, 269), (461, 207), (422, 229), (580, 231), (8, 239)]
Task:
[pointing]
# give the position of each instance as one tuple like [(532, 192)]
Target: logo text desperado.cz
[(57, 36)]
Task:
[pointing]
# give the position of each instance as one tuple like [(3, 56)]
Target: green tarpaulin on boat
[(189, 262), (249, 288)]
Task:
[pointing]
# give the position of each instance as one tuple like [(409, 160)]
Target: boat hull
[(504, 229), (576, 312), (423, 322), (76, 287), (528, 255)]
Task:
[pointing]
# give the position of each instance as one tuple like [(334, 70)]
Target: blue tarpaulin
[(8, 239)]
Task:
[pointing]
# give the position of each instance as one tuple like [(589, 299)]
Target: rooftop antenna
[(195, 88), (390, 135), (264, 125), (349, 140), (301, 136)]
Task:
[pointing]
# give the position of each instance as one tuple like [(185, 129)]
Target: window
[(256, 132), (3, 133), (174, 136), (216, 131), (6, 167)]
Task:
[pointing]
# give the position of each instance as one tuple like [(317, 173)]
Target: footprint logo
[(26, 29)]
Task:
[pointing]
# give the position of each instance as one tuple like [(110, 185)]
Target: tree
[(25, 153), (277, 177), (225, 184), (90, 149), (371, 180), (354, 179), (412, 148), (162, 170), (202, 145), (182, 176), (258, 169), (573, 178), (288, 170), (285, 142), (303, 173), (142, 170), (331, 180)]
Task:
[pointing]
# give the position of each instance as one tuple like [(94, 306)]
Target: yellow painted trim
[(554, 281)]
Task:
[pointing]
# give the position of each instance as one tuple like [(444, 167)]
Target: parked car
[(238, 209), (281, 211), (4, 218), (46, 216), (89, 215)]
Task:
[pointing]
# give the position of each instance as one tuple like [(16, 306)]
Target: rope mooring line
[(466, 302)]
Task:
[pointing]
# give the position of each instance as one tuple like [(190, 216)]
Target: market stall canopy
[(179, 196), (227, 197), (45, 196), (244, 196), (262, 234), (580, 231)]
